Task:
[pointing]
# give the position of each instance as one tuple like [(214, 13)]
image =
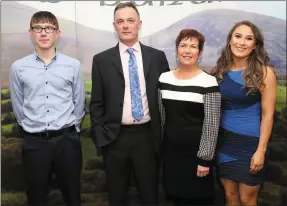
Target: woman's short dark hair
[(190, 34)]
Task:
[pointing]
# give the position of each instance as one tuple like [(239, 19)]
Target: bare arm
[(268, 102)]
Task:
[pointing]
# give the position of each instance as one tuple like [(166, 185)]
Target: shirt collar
[(123, 48), (38, 58)]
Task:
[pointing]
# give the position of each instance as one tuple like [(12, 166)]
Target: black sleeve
[(97, 107), (164, 63)]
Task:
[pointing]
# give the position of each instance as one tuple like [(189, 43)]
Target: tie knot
[(130, 50)]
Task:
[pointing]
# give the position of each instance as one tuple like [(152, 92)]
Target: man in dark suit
[(125, 117)]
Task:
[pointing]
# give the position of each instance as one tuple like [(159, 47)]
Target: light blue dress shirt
[(47, 97)]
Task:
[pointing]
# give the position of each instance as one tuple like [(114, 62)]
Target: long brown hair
[(257, 60)]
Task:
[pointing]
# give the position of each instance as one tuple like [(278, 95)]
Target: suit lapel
[(117, 60), (145, 58)]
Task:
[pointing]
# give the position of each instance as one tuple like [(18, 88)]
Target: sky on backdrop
[(156, 17)]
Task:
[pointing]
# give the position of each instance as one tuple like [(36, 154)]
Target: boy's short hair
[(44, 17)]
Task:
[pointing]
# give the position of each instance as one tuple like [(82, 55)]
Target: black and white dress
[(192, 117)]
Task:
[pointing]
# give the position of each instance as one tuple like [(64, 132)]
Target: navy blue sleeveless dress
[(240, 130)]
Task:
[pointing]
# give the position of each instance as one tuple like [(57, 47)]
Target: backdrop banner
[(87, 29)]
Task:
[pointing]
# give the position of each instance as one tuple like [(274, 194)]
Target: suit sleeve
[(164, 63), (164, 68), (97, 104), (161, 107)]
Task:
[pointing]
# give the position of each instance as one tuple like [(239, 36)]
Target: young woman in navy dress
[(248, 87)]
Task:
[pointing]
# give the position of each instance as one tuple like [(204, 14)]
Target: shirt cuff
[(77, 126), (78, 123), (204, 163)]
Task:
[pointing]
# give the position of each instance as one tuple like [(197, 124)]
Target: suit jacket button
[(123, 85), (121, 104)]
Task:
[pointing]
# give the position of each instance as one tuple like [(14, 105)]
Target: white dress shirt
[(127, 118)]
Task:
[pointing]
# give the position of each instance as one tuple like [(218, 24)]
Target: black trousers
[(179, 201), (41, 157), (132, 152)]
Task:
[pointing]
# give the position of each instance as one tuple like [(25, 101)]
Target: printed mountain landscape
[(83, 42), (215, 25)]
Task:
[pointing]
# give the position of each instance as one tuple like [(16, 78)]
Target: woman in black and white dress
[(191, 101)]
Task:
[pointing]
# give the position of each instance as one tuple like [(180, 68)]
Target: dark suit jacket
[(108, 87)]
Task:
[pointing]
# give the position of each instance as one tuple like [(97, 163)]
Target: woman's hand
[(257, 162), (202, 171)]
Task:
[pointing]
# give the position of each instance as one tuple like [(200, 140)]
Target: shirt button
[(47, 97), (48, 125), (134, 120), (46, 82), (47, 110)]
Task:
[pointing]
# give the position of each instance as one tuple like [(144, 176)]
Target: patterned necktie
[(136, 100)]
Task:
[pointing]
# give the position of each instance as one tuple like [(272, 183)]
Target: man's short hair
[(44, 17), (124, 5)]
